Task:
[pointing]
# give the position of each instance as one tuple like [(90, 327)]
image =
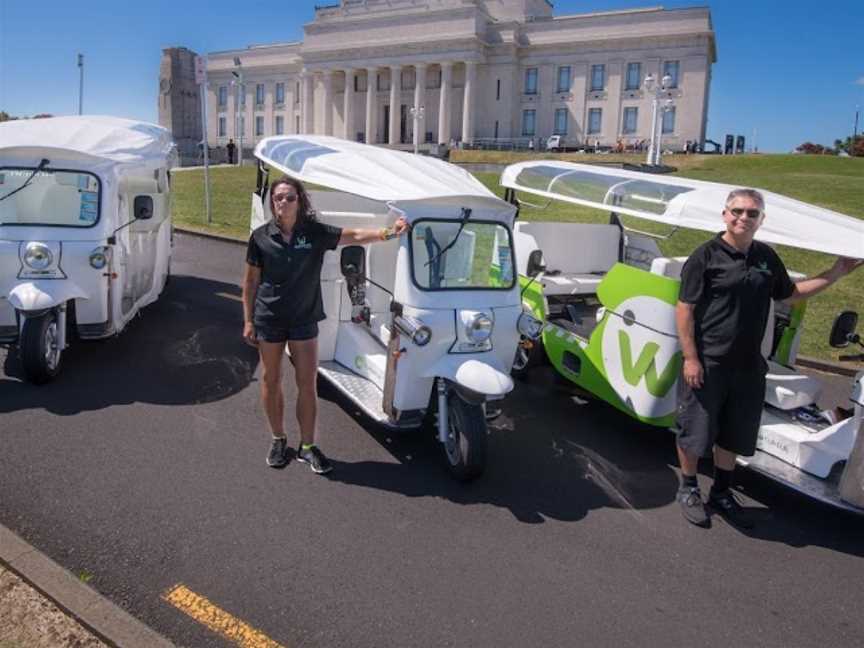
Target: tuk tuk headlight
[(478, 327), (529, 326), (99, 258), (37, 256)]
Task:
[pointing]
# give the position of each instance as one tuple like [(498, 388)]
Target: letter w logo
[(645, 366)]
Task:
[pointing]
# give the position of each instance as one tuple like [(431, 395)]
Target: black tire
[(524, 360), (465, 449), (40, 357)]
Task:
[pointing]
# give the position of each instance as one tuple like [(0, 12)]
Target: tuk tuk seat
[(785, 388)]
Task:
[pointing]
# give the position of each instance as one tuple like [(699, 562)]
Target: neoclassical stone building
[(479, 69)]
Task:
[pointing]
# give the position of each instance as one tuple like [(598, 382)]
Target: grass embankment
[(835, 183)]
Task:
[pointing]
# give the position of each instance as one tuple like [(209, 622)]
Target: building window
[(669, 120), (242, 130), (259, 126), (280, 93), (528, 122), (221, 130), (598, 77), (531, 81), (408, 79), (280, 124), (259, 94), (563, 79), (634, 76), (498, 90), (671, 69), (560, 122), (631, 117), (297, 93), (595, 120), (433, 80), (383, 82), (297, 124), (496, 129), (223, 96)]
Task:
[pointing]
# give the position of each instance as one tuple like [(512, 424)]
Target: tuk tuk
[(420, 328), (607, 297), (85, 231)]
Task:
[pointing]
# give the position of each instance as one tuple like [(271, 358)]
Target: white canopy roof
[(109, 138), (369, 171), (682, 202)]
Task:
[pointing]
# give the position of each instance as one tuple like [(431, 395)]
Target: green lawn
[(832, 182)]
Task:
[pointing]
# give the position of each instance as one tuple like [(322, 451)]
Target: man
[(231, 147), (727, 285)]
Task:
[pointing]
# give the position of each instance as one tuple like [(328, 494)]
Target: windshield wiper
[(41, 166), (466, 214)]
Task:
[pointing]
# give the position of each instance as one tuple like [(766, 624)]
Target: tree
[(809, 148)]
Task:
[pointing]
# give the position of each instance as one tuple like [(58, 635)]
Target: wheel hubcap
[(50, 346), (521, 360)]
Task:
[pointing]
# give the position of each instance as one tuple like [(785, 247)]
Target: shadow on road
[(185, 348)]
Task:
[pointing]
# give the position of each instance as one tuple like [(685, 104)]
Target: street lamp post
[(239, 109), (657, 91), (80, 84), (417, 114)]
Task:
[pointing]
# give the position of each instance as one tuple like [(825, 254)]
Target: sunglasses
[(738, 212), (285, 198)]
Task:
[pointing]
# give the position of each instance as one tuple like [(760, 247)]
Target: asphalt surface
[(142, 467)]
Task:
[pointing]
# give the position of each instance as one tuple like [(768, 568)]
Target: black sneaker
[(690, 498), (315, 458), (278, 457), (728, 507)]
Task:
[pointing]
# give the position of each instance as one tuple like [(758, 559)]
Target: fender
[(43, 295), (476, 373)]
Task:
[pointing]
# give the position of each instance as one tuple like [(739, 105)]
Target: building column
[(371, 95), (395, 102), (269, 113), (420, 102), (307, 111), (328, 101), (468, 104), (444, 103), (348, 108)]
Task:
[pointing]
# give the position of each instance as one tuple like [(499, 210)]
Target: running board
[(363, 393), (823, 490)]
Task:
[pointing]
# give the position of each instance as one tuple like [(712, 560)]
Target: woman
[(282, 305)]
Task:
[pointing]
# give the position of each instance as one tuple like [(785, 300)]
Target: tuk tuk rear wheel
[(465, 448), (39, 349)]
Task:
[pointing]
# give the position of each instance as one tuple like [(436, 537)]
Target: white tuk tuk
[(426, 325), (607, 296), (85, 231)]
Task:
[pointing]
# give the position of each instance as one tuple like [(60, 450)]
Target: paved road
[(142, 467)]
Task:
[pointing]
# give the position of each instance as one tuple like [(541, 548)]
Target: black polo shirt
[(289, 294), (732, 292)]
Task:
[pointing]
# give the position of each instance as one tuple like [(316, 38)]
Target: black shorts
[(276, 333), (725, 411)]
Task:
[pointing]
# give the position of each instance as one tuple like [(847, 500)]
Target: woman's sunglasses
[(738, 212), (285, 198)]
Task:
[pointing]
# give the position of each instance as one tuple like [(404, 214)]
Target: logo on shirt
[(302, 244), (762, 267)]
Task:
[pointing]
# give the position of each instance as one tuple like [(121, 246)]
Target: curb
[(96, 613), (827, 366)]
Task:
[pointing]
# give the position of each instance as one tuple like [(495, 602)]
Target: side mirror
[(535, 263), (843, 330), (142, 208), (353, 261)]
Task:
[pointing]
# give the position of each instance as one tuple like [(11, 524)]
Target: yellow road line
[(229, 296), (217, 619)]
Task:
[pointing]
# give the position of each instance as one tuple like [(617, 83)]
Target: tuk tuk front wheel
[(465, 448), (39, 348), (527, 356)]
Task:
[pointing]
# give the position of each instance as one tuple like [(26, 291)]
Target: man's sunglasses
[(285, 198), (738, 212)]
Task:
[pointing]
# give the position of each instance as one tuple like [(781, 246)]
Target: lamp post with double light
[(417, 114), (659, 107), (239, 106)]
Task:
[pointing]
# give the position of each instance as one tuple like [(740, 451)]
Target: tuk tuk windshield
[(480, 258), (65, 198)]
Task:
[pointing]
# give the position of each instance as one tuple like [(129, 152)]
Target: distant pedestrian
[(231, 148), (282, 305), (727, 285)]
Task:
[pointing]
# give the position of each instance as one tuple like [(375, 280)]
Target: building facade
[(443, 71), (180, 99)]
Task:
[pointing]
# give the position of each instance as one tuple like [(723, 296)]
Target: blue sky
[(786, 68)]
